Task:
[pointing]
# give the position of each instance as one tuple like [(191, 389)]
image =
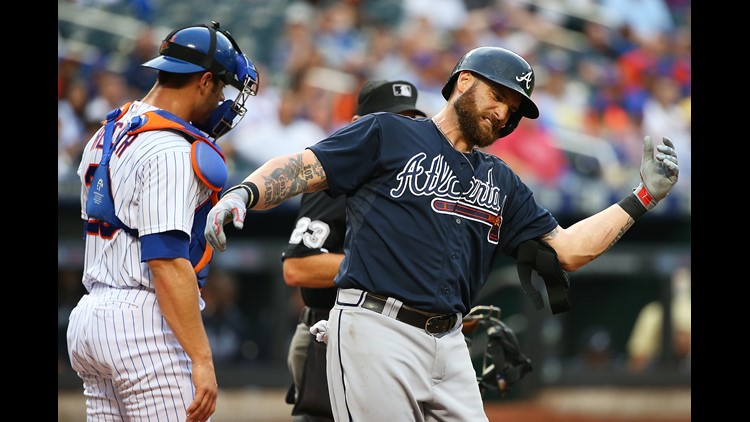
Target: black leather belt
[(432, 323), (309, 316)]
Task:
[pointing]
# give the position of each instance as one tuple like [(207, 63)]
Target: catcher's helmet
[(209, 48), (201, 47), (505, 68)]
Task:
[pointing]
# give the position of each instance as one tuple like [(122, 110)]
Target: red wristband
[(644, 197)]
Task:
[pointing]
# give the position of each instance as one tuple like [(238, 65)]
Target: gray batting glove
[(658, 171), (231, 207)]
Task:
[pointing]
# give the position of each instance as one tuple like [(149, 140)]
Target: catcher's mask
[(503, 67), (503, 363), (209, 48)]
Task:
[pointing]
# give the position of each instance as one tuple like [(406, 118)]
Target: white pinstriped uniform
[(119, 343)]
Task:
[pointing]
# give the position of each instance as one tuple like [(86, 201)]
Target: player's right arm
[(271, 184)]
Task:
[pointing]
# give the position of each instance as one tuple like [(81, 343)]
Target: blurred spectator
[(112, 92), (608, 118), (645, 18), (338, 39), (444, 15), (71, 126), (142, 9), (385, 57), (226, 325), (664, 115), (645, 342), (288, 131), (532, 153), (563, 98), (140, 79), (295, 49)]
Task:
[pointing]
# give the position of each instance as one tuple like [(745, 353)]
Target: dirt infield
[(533, 412), (597, 405), (563, 405)]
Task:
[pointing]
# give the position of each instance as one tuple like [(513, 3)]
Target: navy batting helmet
[(505, 68)]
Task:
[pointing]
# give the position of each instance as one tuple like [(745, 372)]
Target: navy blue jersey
[(424, 221), (320, 228)]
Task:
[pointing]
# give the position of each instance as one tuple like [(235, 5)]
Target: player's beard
[(469, 120)]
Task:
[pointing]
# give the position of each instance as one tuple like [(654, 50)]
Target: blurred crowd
[(608, 73)]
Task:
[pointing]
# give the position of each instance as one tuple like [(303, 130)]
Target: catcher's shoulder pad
[(207, 159), (537, 255), (209, 164)]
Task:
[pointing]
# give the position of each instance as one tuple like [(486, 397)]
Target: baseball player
[(149, 177), (427, 213), (313, 256)]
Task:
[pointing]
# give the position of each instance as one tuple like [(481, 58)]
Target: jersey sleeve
[(320, 226), (170, 191), (350, 155), (523, 217)]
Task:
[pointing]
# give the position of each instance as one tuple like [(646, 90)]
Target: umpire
[(312, 259)]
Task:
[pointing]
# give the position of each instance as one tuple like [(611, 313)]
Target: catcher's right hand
[(231, 207), (659, 173)]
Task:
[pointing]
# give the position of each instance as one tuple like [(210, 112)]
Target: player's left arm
[(177, 294), (312, 271), (587, 239)]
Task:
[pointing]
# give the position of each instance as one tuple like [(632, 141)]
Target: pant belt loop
[(304, 316), (391, 307)]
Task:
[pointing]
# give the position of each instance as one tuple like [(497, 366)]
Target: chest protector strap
[(533, 254), (207, 159), (100, 204)]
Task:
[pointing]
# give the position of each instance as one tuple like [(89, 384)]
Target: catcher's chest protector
[(207, 161)]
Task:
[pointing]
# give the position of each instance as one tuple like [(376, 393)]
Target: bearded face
[(473, 123)]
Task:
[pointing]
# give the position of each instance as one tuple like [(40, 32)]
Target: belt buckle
[(432, 325)]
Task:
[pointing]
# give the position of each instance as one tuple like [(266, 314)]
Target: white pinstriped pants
[(132, 366)]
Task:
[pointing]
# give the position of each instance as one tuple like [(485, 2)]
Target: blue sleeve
[(170, 244), (350, 155), (523, 218)]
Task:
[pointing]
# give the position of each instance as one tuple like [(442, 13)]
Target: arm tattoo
[(290, 180), (622, 231), (314, 169), (553, 233), (549, 236)]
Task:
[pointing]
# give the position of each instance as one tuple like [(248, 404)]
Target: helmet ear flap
[(511, 124)]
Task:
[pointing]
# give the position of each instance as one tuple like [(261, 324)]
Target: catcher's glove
[(503, 364)]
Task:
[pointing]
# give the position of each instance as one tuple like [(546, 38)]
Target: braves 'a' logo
[(526, 77)]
